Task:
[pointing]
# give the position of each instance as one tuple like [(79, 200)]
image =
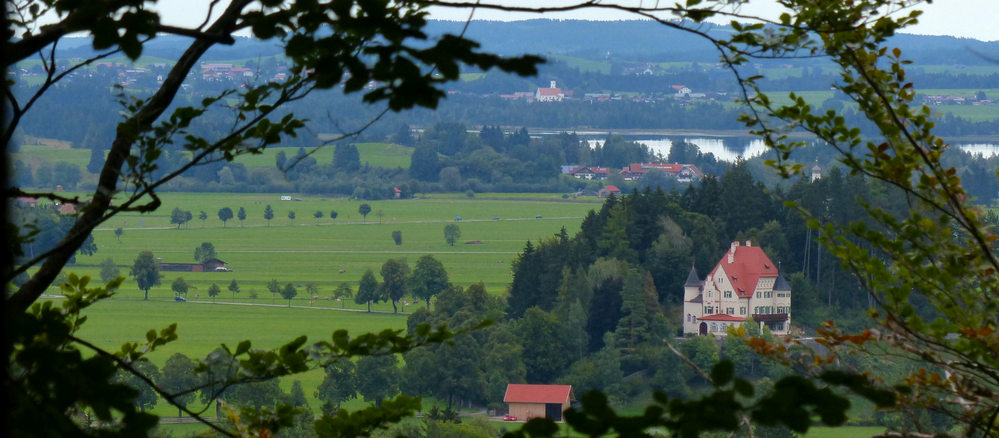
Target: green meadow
[(202, 327), (309, 249), (374, 154)]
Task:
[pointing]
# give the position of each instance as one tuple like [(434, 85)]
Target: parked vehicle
[(509, 417), (179, 299)]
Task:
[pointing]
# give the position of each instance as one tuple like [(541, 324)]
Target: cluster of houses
[(130, 74), (217, 72), (553, 93), (948, 99), (683, 173)]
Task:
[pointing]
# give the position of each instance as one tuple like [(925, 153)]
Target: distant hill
[(623, 40)]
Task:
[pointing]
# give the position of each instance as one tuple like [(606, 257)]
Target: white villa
[(744, 286)]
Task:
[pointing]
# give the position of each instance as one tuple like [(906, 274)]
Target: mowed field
[(308, 249)]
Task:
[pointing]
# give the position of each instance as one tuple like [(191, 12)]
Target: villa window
[(730, 311), (742, 310), (728, 294), (714, 327)]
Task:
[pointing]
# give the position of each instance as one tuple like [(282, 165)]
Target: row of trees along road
[(936, 256)]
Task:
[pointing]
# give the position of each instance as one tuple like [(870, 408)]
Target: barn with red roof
[(745, 286), (533, 401)]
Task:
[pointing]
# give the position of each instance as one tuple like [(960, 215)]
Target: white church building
[(745, 286)]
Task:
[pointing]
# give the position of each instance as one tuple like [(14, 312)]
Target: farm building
[(533, 401), (206, 266)]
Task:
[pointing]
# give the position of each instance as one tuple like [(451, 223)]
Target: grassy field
[(316, 250), (375, 154), (203, 327)]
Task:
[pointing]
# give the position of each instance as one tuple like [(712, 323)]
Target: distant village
[(130, 75)]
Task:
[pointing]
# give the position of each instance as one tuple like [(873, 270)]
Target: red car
[(509, 417)]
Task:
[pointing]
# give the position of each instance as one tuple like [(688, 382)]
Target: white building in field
[(744, 286)]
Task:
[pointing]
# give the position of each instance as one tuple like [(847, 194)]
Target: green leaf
[(722, 372)]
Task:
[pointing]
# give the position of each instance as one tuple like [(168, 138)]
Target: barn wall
[(526, 411)]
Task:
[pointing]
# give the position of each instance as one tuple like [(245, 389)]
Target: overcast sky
[(962, 18)]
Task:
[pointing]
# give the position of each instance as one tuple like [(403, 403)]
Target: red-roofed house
[(682, 172), (744, 286), (590, 172), (608, 190), (550, 94), (533, 401)]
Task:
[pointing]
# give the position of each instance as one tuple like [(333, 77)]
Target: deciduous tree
[(378, 378), (213, 291), (342, 293), (109, 270), (147, 396), (179, 217), (268, 214), (274, 287), (234, 288), (367, 290), (241, 215), (452, 233), (179, 286), (288, 292), (178, 377), (364, 209), (429, 279), (339, 385), (204, 252), (224, 215), (146, 271), (395, 275)]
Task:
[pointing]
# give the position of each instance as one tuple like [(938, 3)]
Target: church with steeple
[(745, 286)]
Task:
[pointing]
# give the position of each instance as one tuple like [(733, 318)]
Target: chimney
[(749, 243), (731, 253), (553, 84)]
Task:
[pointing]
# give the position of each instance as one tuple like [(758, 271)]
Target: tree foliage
[(225, 213), (367, 289), (429, 279), (395, 281), (268, 214), (288, 292), (204, 252), (146, 270), (452, 233)]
